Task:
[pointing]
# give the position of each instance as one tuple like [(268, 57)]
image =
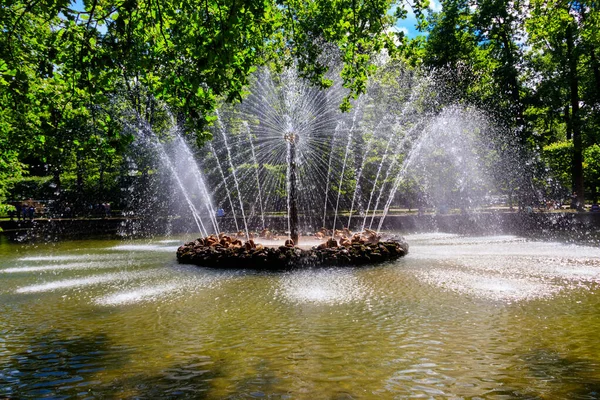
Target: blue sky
[(408, 25), (77, 5)]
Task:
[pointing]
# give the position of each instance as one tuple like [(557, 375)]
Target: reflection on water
[(147, 293), (146, 247), (55, 267), (460, 317), (73, 283), (334, 286)]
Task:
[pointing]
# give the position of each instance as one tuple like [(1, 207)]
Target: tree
[(565, 32), (59, 65), (188, 53), (451, 47)]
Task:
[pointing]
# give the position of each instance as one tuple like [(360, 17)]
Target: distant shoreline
[(562, 225)]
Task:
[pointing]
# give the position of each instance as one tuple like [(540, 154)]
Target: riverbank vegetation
[(68, 70)]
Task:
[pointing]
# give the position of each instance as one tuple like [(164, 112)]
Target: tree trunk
[(513, 82), (596, 71), (568, 122), (577, 161)]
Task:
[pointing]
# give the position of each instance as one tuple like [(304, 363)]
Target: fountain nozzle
[(290, 137)]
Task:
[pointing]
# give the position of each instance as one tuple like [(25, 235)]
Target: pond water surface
[(459, 317)]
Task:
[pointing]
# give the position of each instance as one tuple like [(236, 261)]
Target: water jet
[(287, 160)]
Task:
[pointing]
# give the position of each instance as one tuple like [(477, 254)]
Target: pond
[(460, 317)]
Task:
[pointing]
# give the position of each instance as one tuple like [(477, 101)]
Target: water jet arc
[(291, 139)]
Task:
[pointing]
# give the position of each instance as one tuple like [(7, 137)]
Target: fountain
[(288, 125), (287, 162)]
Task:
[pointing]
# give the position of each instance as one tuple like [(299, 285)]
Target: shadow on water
[(554, 376), (197, 379), (58, 367), (190, 380), (62, 367), (263, 383), (575, 378)]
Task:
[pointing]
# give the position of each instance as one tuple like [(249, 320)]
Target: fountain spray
[(291, 139)]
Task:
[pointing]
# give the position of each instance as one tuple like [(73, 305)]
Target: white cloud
[(396, 29), (435, 5)]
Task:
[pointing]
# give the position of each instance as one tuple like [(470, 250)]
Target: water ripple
[(323, 286), (68, 257), (489, 286), (58, 267), (144, 247), (80, 282), (140, 294)]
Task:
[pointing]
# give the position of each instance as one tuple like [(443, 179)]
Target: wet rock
[(345, 242), (226, 252)]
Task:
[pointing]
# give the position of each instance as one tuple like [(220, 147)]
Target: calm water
[(460, 317)]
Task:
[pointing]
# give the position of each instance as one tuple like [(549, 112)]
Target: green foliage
[(558, 157), (34, 187), (532, 65), (591, 170), (277, 174), (69, 78), (65, 74), (10, 167)]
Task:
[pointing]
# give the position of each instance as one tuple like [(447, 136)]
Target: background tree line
[(67, 69), (534, 66)]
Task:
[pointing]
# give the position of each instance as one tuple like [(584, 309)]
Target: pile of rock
[(357, 252), (226, 252)]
